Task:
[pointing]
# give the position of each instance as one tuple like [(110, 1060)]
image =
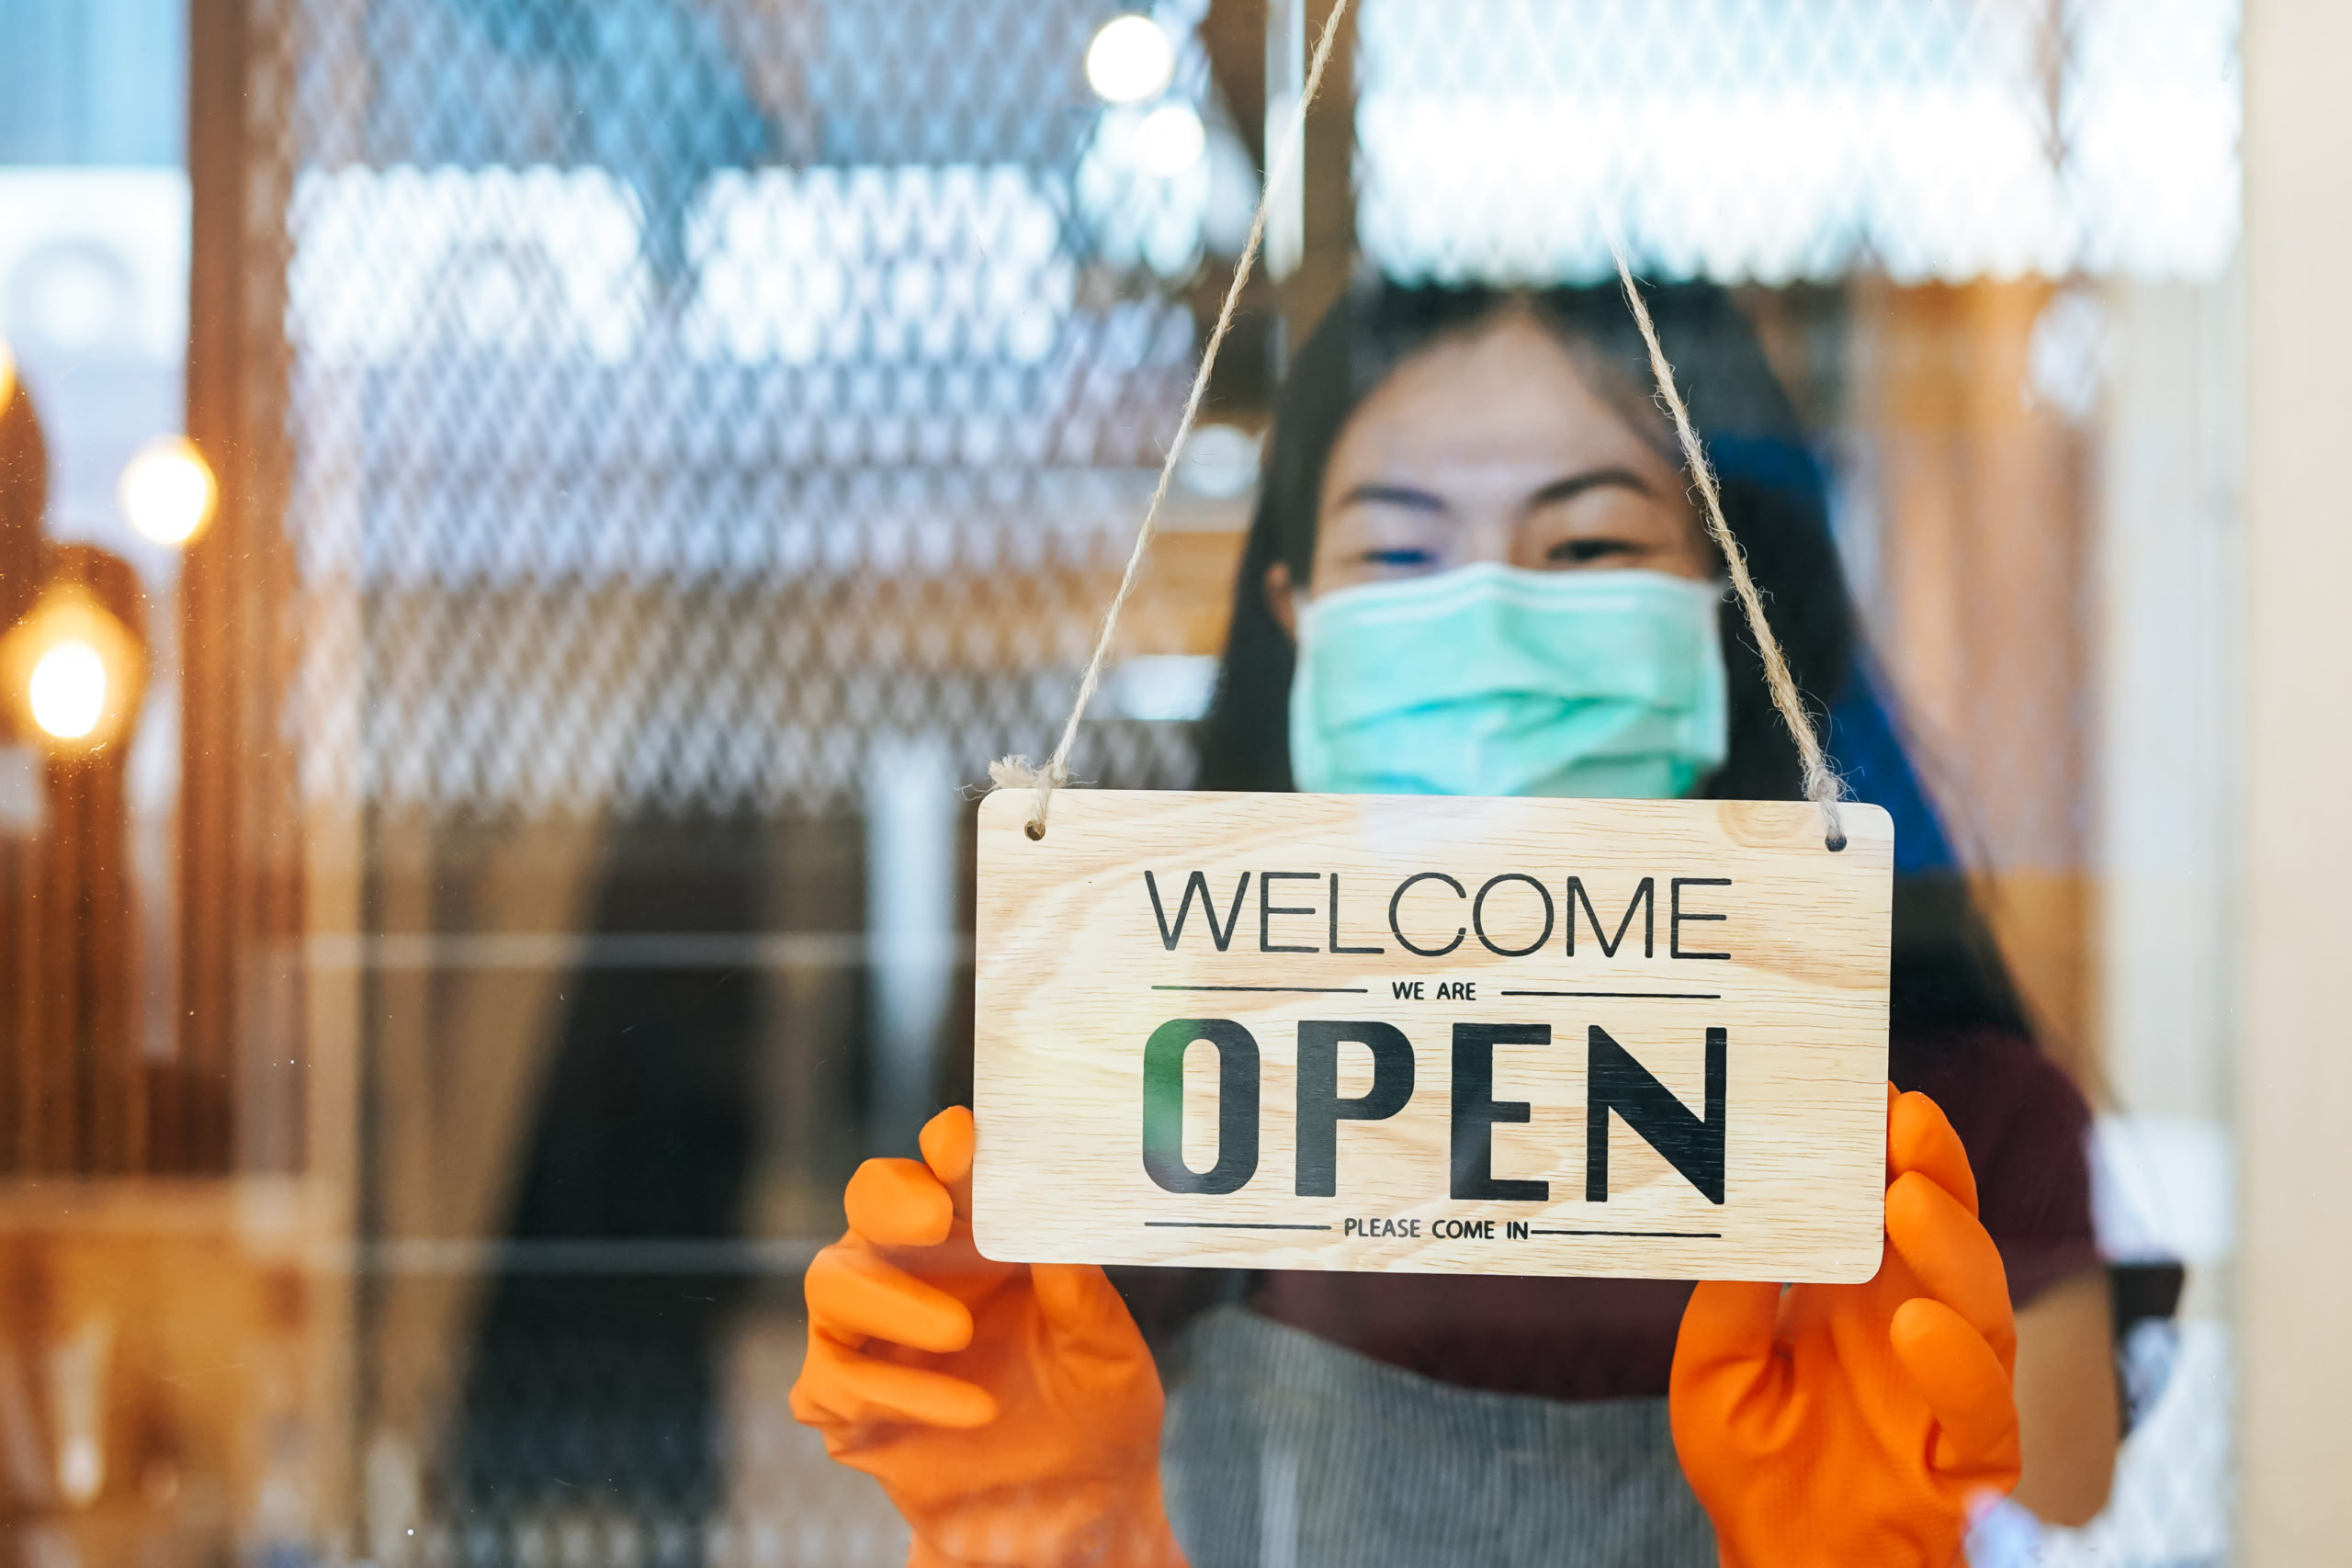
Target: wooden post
[(94, 1120), (1234, 32), (2294, 1048), (239, 1098), (240, 822), (24, 491), (1311, 230), (192, 1102)]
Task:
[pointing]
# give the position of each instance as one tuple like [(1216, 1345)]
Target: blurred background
[(519, 517)]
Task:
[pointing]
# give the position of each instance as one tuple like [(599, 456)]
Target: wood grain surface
[(1745, 953)]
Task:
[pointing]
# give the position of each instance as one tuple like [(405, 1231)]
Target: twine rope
[(1821, 784), (1017, 772)]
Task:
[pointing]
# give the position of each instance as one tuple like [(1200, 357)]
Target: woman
[(1456, 469)]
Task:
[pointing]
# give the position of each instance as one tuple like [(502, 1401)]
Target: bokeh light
[(1171, 140), (1220, 461), (68, 690), (167, 491), (1130, 60), (7, 373), (72, 670)]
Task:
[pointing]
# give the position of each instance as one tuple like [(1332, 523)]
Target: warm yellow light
[(167, 491), (69, 689), (7, 373), (72, 671), (1130, 59)]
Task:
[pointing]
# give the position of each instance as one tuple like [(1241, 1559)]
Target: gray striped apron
[(1284, 1451)]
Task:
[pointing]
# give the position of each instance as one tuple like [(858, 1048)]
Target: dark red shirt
[(2023, 1122)]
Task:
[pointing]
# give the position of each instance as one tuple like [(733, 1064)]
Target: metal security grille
[(1772, 141), (685, 395)]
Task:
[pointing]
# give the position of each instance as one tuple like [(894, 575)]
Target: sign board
[(1433, 1033)]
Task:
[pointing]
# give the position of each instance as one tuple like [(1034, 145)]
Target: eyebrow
[(1559, 490), (1393, 495), (1575, 485)]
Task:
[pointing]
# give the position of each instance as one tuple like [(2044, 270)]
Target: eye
[(1582, 552), (1398, 559)]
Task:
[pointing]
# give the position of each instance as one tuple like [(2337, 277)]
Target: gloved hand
[(1848, 1424), (1012, 1412)]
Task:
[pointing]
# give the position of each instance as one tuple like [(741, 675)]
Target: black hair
[(1947, 971)]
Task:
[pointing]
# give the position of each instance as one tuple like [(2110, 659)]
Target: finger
[(1727, 1322), (1724, 1352), (948, 1141), (1078, 1300), (1920, 1137), (813, 1391), (898, 1202), (853, 1294), (838, 1385), (1965, 1385), (1955, 1260), (1728, 1381)]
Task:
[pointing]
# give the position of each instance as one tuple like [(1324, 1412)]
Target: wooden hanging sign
[(1436, 1035)]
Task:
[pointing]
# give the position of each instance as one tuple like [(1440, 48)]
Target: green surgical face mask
[(1491, 680)]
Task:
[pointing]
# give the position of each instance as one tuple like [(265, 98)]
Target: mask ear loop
[(1017, 772), (1821, 784)]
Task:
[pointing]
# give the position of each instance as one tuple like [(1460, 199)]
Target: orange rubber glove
[(1011, 1411), (1850, 1424)]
